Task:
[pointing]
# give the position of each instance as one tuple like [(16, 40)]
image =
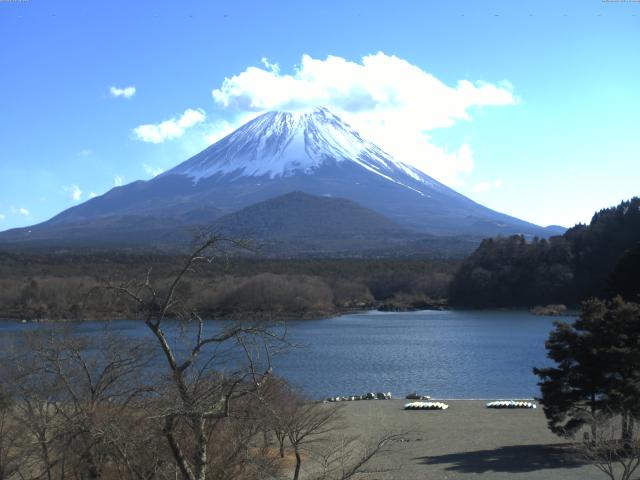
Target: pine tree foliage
[(597, 368), (596, 260)]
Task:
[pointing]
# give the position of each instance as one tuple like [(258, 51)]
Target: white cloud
[(85, 152), (152, 171), (93, 194), (169, 129), (389, 100), (74, 192), (274, 67), (2, 216), (126, 92), (117, 181), (482, 187), (20, 211)]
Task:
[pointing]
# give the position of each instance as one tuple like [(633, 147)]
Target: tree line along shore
[(601, 260), (65, 286)]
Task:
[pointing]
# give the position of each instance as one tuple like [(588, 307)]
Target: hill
[(587, 261)]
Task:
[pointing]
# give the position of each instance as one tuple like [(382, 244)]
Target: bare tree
[(69, 395), (279, 402), (34, 395), (344, 457), (73, 393), (11, 438), (614, 454), (314, 431), (201, 389), (192, 403), (307, 424)]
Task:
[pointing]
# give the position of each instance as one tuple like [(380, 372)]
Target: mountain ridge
[(275, 154)]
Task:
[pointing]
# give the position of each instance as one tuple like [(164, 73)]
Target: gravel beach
[(465, 441)]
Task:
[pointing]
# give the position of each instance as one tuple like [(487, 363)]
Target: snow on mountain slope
[(273, 155), (281, 144)]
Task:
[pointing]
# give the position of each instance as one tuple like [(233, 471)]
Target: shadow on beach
[(510, 459)]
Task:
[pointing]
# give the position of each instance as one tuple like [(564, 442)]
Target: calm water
[(448, 354)]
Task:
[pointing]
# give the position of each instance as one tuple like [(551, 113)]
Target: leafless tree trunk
[(198, 398), (71, 393), (11, 438), (343, 458), (616, 450), (190, 404), (309, 423)]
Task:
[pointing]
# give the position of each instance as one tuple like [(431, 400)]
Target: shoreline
[(238, 316), (262, 316)]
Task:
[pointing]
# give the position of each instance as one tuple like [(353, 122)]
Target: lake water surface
[(445, 354)]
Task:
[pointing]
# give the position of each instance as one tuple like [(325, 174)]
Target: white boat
[(511, 404), (426, 406)]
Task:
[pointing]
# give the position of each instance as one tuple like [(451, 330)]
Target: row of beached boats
[(495, 404), (365, 396), (424, 401), (511, 404), (426, 406)]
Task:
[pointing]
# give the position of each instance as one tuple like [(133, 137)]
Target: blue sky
[(530, 107)]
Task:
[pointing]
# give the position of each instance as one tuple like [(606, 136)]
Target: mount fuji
[(315, 154)]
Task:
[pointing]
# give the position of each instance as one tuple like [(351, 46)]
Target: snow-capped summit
[(281, 144), (236, 182)]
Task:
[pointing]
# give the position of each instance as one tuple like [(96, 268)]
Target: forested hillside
[(599, 259), (56, 286)]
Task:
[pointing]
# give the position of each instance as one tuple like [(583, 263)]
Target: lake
[(449, 354)]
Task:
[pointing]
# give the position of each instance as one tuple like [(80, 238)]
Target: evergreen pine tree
[(597, 368)]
